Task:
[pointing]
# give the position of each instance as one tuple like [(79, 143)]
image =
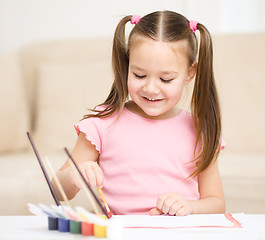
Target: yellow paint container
[(99, 230)]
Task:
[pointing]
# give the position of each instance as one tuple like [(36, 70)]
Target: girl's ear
[(192, 71)]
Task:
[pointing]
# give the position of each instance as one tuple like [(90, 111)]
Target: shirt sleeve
[(90, 127)]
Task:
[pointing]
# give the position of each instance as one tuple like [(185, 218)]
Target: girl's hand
[(172, 204), (92, 173)]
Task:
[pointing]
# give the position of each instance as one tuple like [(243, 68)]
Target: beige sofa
[(46, 87)]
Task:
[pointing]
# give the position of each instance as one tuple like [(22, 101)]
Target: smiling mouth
[(152, 99)]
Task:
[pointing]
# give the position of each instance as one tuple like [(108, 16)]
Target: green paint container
[(75, 227)]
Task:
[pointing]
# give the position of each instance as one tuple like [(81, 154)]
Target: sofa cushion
[(57, 51), (27, 184), (66, 91), (13, 108)]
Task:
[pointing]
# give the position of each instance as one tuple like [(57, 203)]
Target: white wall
[(23, 21), (243, 16)]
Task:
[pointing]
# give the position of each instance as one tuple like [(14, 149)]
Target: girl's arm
[(85, 156), (211, 197), (211, 192)]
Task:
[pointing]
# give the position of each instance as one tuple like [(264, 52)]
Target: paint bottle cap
[(114, 229)]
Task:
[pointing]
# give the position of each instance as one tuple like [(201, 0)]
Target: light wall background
[(44, 80), (25, 21)]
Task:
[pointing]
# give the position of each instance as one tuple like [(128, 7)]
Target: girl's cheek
[(132, 84), (131, 88)]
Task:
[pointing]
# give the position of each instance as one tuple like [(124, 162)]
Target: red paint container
[(87, 229)]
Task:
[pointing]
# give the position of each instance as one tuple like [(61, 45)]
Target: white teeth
[(150, 99)]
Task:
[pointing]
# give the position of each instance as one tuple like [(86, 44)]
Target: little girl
[(147, 154)]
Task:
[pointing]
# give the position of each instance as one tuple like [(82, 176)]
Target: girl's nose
[(151, 87)]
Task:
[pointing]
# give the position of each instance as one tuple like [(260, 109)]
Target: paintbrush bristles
[(57, 182)]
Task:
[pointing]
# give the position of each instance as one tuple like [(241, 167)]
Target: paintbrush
[(44, 171), (85, 182), (57, 182), (104, 201)]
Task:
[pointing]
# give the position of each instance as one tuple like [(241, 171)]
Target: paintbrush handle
[(95, 197), (56, 180), (44, 171)]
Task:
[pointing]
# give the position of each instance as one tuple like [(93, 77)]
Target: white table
[(35, 227)]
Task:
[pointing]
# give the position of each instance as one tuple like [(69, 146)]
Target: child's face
[(157, 74)]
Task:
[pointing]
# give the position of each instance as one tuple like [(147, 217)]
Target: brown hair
[(171, 27)]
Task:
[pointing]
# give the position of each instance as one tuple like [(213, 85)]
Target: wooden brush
[(57, 182), (44, 171), (86, 185)]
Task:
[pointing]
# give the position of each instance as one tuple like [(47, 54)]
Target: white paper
[(162, 221)]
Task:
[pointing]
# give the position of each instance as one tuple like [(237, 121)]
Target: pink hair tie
[(193, 25), (135, 19)]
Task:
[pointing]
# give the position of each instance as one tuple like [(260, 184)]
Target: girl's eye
[(139, 76), (166, 80)]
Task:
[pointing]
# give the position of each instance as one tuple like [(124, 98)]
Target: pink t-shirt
[(143, 158)]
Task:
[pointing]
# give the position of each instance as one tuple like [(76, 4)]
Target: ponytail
[(120, 62), (171, 27), (205, 105)]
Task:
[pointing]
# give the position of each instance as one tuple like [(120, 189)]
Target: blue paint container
[(52, 223), (63, 225)]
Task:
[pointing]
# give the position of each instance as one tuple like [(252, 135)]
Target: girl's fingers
[(168, 202), (155, 211), (99, 175), (175, 208), (92, 174), (181, 212), (92, 180), (161, 200), (172, 204)]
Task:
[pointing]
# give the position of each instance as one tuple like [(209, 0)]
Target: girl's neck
[(134, 108)]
